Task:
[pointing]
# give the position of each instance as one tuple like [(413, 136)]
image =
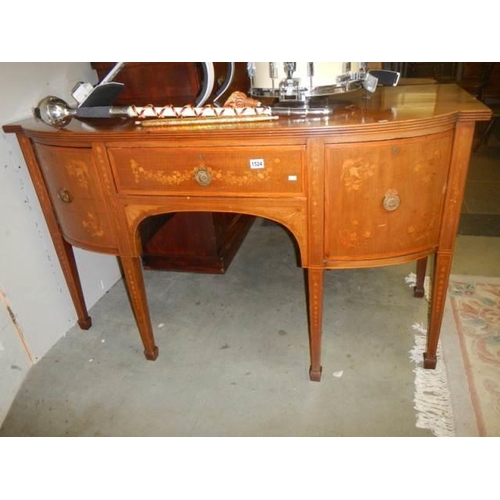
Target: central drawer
[(261, 171)]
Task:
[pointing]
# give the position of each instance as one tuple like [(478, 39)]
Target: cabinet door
[(73, 183), (385, 199)]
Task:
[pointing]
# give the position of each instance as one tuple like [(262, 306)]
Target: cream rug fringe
[(432, 400)]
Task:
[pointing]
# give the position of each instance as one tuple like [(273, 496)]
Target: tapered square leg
[(315, 309), (419, 289), (132, 269), (68, 265), (441, 275)]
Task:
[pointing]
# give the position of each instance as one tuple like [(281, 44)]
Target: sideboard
[(379, 182)]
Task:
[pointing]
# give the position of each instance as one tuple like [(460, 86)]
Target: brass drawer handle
[(64, 195), (203, 177), (391, 201)]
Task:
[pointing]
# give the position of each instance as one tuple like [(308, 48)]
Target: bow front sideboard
[(378, 182)]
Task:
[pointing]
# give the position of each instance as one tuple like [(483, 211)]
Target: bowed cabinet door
[(384, 199), (72, 180)]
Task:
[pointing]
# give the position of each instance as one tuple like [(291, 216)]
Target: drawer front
[(222, 171), (385, 199), (71, 178)]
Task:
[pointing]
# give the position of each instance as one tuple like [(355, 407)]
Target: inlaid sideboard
[(379, 182)]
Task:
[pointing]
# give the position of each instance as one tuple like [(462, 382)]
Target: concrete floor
[(234, 353)]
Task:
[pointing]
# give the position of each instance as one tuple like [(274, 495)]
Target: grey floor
[(234, 348)]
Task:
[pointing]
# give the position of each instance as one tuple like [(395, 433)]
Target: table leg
[(63, 249), (441, 275), (315, 303), (132, 269), (68, 265), (419, 289)]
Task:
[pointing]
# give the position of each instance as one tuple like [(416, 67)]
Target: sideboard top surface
[(389, 108)]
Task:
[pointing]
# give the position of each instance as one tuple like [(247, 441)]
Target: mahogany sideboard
[(379, 182)]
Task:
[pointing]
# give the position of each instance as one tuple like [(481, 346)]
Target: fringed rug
[(463, 392), (432, 401), (432, 394)]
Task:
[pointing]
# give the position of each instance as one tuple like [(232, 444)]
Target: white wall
[(35, 307)]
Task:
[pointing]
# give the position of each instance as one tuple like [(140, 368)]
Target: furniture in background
[(480, 79), (472, 77), (495, 116), (379, 182), (195, 242)]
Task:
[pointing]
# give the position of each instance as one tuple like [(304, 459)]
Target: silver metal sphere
[(54, 111)]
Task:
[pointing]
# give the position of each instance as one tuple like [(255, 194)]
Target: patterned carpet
[(461, 397), (475, 317)]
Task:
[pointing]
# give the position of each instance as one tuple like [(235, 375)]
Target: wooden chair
[(483, 140), (476, 81), (472, 77)]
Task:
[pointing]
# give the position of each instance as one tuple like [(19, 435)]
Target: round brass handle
[(391, 201), (203, 177), (64, 195)]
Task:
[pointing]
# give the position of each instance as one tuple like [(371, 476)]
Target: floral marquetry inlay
[(159, 176), (92, 225), (356, 172), (249, 177), (426, 169), (386, 199), (354, 236), (79, 170), (422, 227), (168, 178)]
